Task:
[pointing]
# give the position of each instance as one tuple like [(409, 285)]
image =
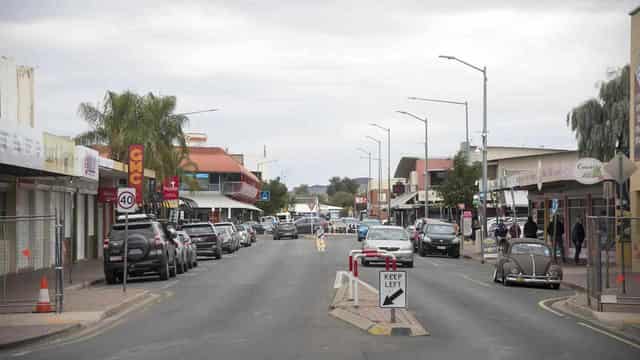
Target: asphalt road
[(271, 302)]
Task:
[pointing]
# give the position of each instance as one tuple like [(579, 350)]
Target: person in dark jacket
[(577, 237), (530, 228), (558, 232), (515, 231)]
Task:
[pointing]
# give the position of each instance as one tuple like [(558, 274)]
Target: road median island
[(368, 316)]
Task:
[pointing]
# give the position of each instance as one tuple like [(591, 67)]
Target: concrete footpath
[(367, 315), (82, 307)]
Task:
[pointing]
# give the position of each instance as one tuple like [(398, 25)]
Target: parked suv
[(150, 250), (285, 229), (205, 237)]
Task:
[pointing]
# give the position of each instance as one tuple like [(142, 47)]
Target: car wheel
[(173, 268), (409, 264), (504, 280), (179, 267), (195, 263), (555, 286), (365, 262), (423, 251), (275, 238), (495, 275), (164, 269), (110, 278), (185, 264)]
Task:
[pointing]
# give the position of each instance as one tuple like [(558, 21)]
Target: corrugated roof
[(215, 159)]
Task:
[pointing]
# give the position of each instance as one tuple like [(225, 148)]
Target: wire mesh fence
[(29, 245), (611, 278)]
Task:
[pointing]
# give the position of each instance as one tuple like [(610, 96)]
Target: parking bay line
[(478, 282), (630, 343)]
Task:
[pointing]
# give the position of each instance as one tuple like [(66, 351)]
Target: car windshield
[(530, 249), (440, 229), (387, 234), (198, 230)]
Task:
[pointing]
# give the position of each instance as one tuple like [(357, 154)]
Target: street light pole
[(195, 112), (369, 178), (426, 159), (483, 70), (379, 143), (388, 130), (466, 118)]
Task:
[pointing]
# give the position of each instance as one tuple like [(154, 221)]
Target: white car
[(393, 239)]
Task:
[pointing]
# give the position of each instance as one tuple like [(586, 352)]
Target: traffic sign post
[(265, 195), (126, 203), (392, 288)]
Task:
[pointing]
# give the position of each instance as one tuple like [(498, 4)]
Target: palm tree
[(601, 125)]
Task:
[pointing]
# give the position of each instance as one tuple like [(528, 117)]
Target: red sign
[(461, 206), (467, 214), (170, 188), (136, 170), (361, 200), (107, 194)]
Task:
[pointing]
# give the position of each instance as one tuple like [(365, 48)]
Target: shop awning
[(217, 201), (401, 201)]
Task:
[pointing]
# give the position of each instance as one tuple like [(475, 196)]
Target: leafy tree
[(302, 189), (279, 197), (460, 184), (336, 184), (600, 123), (128, 118), (343, 199)]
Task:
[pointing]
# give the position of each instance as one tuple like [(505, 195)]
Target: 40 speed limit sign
[(127, 200)]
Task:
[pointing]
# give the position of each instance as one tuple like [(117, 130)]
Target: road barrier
[(354, 255)]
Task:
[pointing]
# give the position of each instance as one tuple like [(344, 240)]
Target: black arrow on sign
[(388, 300)]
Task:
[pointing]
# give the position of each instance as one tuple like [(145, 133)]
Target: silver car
[(393, 239), (245, 238)]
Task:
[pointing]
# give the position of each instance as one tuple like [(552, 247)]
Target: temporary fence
[(29, 244), (611, 280)]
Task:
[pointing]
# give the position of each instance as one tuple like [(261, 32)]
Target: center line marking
[(475, 281)]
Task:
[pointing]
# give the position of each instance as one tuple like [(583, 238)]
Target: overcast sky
[(305, 78)]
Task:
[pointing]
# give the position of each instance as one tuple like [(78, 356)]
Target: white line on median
[(542, 304), (630, 343)]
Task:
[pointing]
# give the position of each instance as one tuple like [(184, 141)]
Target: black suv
[(205, 236), (150, 249)]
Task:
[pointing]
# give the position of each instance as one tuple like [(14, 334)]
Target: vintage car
[(527, 261)]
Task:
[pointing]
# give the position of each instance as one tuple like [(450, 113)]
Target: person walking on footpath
[(577, 237), (556, 227), (530, 229), (515, 231)]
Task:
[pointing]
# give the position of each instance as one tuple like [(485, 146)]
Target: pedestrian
[(530, 229), (515, 231), (577, 237), (556, 228)]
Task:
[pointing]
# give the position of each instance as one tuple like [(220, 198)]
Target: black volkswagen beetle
[(527, 261)]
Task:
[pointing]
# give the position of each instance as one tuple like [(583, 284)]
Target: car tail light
[(105, 243)]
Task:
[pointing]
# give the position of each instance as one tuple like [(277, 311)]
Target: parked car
[(267, 226), (181, 252), (205, 237), (337, 226), (251, 231), (309, 224), (439, 237), (393, 239), (527, 261), (363, 227), (256, 226), (245, 237), (149, 250), (192, 251), (234, 242), (285, 229)]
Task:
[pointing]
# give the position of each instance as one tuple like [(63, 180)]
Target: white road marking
[(338, 282), (481, 283), (169, 284), (432, 263), (21, 353), (630, 343), (542, 304)]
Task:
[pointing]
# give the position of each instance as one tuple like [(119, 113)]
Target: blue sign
[(554, 206), (265, 196)]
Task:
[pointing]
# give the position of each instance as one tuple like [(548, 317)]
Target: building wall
[(25, 99), (634, 136)]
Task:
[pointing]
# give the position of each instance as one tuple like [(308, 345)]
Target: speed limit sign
[(127, 200)]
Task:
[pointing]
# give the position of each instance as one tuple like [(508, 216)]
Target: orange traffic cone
[(43, 305)]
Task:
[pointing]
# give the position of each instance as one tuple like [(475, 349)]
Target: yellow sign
[(58, 154)]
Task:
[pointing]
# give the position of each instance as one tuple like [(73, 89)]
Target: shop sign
[(21, 146), (588, 171), (136, 170), (107, 194), (86, 163), (170, 188), (59, 154)]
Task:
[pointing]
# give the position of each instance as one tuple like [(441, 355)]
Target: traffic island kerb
[(369, 317)]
